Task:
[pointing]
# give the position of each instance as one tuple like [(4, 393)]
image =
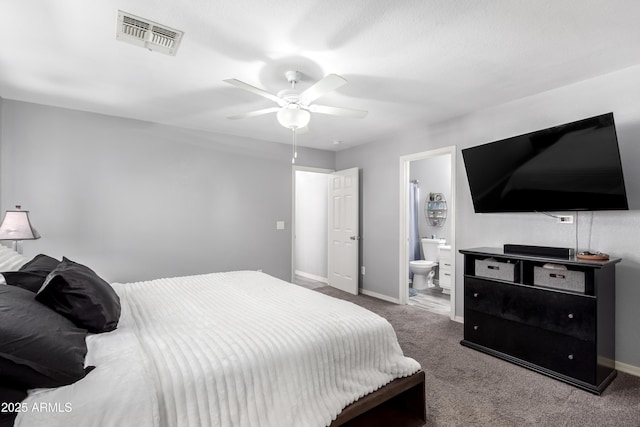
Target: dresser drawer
[(445, 278), (445, 272), (565, 355), (573, 315), (444, 267)]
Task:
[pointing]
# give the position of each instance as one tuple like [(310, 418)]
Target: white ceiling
[(408, 62)]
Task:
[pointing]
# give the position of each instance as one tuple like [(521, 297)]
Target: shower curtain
[(414, 232)]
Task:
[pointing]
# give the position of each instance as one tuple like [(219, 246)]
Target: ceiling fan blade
[(253, 89), (254, 113), (338, 111), (326, 85)]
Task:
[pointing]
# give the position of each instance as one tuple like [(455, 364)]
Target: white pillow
[(11, 260)]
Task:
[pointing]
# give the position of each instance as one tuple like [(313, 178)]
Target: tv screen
[(575, 166)]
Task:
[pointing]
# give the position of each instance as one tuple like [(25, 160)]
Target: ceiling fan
[(294, 107)]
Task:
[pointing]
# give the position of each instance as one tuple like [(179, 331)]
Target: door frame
[(295, 168), (403, 279)]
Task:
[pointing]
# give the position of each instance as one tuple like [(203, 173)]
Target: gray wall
[(311, 232), (136, 200), (615, 233)]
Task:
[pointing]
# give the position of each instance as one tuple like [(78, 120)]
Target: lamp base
[(17, 246)]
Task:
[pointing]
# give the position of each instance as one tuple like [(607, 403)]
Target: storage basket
[(568, 280), (495, 270)]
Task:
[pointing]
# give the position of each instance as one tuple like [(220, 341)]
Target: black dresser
[(554, 316)]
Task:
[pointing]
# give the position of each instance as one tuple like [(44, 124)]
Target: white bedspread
[(226, 349)]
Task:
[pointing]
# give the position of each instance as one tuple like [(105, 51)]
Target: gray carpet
[(467, 388)]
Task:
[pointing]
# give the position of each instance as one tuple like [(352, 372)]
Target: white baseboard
[(629, 369), (458, 319), (379, 296), (312, 276)]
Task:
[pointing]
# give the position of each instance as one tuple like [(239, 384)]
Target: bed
[(235, 349)]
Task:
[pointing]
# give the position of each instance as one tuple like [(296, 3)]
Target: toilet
[(424, 270)]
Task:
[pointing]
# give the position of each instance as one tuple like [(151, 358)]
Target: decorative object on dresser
[(555, 316), (16, 226)]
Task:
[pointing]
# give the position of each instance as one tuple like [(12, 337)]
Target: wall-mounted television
[(574, 166)]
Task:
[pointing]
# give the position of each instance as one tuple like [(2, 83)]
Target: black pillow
[(32, 275), (38, 347), (76, 292)]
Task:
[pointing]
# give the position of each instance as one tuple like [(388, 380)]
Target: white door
[(344, 200)]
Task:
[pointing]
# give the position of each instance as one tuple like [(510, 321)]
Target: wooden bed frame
[(400, 403)]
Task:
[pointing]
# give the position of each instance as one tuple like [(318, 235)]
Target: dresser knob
[(475, 295), (570, 315), (570, 357), (475, 327)]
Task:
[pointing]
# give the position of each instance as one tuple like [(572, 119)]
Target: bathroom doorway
[(427, 185), (309, 263)]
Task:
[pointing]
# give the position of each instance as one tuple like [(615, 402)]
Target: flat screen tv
[(575, 166)]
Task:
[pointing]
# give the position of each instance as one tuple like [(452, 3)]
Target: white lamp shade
[(16, 226), (293, 117)]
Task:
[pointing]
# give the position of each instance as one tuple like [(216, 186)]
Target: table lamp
[(16, 227)]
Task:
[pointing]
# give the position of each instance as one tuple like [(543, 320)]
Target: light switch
[(279, 225)]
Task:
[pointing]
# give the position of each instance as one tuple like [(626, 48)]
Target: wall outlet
[(362, 270), (565, 219)]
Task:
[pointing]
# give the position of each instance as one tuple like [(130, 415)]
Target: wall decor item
[(435, 210)]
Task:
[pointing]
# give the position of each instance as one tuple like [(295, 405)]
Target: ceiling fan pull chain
[(293, 146)]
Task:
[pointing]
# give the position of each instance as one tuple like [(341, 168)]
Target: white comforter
[(225, 349)]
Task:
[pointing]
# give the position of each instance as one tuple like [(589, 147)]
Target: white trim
[(379, 296), (403, 262), (629, 369), (458, 319), (295, 168), (312, 276)]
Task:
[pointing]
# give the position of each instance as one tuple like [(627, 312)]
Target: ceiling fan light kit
[(293, 117)]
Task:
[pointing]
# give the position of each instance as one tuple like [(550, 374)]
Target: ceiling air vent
[(143, 32)]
